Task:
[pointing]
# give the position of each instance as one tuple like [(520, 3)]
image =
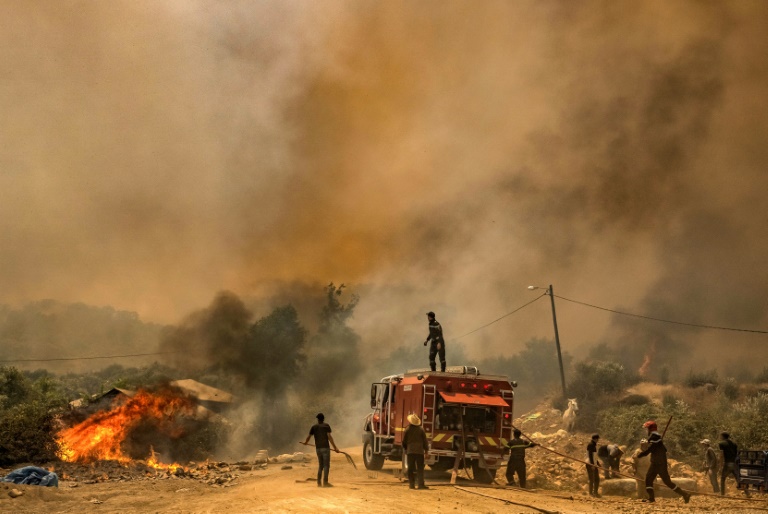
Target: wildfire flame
[(101, 437), (647, 359)]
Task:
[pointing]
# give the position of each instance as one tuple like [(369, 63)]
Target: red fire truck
[(464, 413)]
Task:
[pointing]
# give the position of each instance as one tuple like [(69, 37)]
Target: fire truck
[(466, 415)]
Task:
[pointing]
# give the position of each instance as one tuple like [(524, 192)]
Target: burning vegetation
[(134, 427)]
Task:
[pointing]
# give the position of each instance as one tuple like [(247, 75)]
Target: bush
[(28, 412), (730, 389), (762, 377), (634, 400), (28, 434), (702, 378), (597, 386), (624, 424)]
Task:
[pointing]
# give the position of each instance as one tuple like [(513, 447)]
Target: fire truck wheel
[(482, 475), (372, 460)]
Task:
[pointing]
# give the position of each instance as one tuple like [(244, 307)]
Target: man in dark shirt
[(436, 342), (323, 439), (416, 446), (593, 468), (658, 453), (710, 463), (730, 451), (516, 463)]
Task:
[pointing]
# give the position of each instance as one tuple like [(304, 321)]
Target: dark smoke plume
[(437, 155)]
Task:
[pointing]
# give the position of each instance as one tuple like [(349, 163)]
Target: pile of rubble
[(214, 473), (547, 470)]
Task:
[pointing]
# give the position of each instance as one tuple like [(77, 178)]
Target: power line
[(87, 358), (662, 320), (499, 319)]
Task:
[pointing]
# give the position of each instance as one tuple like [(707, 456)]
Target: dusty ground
[(294, 490)]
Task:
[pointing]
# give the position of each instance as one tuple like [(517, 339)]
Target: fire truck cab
[(464, 413)]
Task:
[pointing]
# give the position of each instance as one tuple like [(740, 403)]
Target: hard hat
[(431, 314), (704, 442), (650, 425)]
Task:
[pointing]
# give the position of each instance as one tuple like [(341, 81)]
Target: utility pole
[(551, 294)]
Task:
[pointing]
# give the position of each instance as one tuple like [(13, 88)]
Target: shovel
[(348, 456)]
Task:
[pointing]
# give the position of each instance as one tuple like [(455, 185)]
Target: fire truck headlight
[(472, 446)]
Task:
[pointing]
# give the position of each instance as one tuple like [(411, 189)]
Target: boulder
[(628, 487), (619, 487)]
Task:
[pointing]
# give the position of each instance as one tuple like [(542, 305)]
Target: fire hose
[(628, 476)]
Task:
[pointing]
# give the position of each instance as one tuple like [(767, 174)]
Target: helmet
[(650, 425), (431, 314)]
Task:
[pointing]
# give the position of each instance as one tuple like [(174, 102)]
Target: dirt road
[(294, 490)]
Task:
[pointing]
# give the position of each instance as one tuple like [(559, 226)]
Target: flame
[(101, 436), (647, 359)]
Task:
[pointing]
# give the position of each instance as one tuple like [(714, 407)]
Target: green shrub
[(702, 378), (730, 388), (624, 424), (635, 399), (762, 377), (28, 433)]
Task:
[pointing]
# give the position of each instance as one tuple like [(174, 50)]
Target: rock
[(619, 487), (15, 493), (245, 467), (628, 487), (287, 467)]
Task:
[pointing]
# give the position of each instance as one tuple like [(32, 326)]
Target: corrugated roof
[(202, 392)]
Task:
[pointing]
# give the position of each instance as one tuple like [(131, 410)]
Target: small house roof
[(202, 392)]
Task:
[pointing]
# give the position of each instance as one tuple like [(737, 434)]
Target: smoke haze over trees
[(433, 155)]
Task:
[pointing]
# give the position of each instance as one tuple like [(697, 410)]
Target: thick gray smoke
[(437, 155)]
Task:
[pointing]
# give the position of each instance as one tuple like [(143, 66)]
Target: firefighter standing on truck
[(516, 462), (437, 342)]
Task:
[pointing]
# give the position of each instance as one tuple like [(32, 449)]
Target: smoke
[(437, 155)]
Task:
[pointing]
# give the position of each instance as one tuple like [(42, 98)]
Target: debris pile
[(214, 473), (547, 470)]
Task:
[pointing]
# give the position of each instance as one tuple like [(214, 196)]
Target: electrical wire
[(87, 358), (662, 320), (454, 339), (499, 319)]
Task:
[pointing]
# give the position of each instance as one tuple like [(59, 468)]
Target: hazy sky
[(433, 155)]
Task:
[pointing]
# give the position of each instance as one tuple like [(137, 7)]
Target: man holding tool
[(516, 463), (323, 439), (658, 453)]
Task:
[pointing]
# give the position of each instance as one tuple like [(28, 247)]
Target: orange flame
[(647, 359), (101, 436)]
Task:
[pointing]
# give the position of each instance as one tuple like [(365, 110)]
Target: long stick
[(666, 427), (348, 456), (713, 495), (505, 500)]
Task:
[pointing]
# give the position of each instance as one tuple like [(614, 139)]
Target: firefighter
[(436, 341), (658, 453), (593, 468), (322, 432), (416, 446), (710, 463), (516, 463)]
